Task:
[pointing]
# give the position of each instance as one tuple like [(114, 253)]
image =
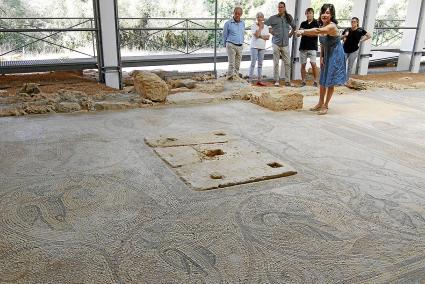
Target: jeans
[(351, 58), (256, 55)]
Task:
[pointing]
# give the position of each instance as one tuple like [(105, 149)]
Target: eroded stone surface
[(190, 98), (67, 107), (30, 89), (357, 84), (419, 85), (150, 86), (206, 165), (279, 100), (210, 174), (188, 83), (107, 105), (179, 156), (37, 109), (174, 140)]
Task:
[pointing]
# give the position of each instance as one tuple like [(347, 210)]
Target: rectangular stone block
[(217, 159), (210, 174)]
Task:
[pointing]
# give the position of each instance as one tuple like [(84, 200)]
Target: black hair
[(331, 9), (288, 17), (309, 10), (357, 19)]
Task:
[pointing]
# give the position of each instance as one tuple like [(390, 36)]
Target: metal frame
[(55, 32)]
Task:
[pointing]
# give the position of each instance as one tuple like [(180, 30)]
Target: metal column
[(109, 55)]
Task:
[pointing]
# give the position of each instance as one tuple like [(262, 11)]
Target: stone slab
[(207, 164), (234, 171), (178, 156)]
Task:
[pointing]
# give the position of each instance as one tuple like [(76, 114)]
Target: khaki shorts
[(304, 54)]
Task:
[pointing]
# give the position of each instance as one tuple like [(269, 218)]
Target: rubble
[(29, 89)]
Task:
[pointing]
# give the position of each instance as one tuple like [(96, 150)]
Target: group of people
[(337, 53)]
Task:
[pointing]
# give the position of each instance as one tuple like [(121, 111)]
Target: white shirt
[(259, 42)]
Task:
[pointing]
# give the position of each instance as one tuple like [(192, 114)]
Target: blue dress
[(333, 73)]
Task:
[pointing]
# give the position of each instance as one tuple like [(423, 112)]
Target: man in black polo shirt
[(352, 38), (308, 47)]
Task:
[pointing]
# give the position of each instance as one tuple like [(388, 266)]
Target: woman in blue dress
[(332, 57)]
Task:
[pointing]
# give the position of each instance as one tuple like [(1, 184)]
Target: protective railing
[(187, 36), (30, 32), (180, 35)]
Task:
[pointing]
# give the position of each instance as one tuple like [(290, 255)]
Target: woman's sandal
[(323, 110), (316, 108)]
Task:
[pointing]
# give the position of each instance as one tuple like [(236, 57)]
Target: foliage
[(144, 10)]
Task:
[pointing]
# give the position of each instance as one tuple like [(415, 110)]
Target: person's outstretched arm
[(344, 34), (330, 29)]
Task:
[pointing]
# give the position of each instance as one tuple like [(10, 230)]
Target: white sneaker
[(276, 84)]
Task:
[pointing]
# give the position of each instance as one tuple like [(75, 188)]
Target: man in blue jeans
[(233, 38)]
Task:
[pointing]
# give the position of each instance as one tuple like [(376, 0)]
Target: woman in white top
[(260, 34)]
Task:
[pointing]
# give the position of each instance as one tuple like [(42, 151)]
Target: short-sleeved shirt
[(259, 42), (309, 42), (351, 43), (281, 28)]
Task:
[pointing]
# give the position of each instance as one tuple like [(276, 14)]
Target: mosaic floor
[(83, 199)]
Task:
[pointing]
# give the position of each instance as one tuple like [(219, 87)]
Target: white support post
[(366, 11), (299, 16), (419, 46), (408, 41), (108, 42)]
